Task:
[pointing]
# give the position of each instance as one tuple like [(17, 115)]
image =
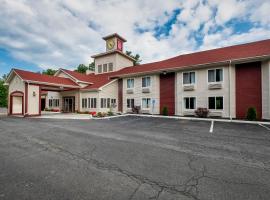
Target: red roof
[(31, 76), (99, 80), (78, 76), (254, 49)]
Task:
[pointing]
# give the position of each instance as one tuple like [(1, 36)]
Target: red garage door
[(248, 89), (167, 92)]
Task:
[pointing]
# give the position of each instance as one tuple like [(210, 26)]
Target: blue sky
[(35, 35)]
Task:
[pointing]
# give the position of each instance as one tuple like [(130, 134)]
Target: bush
[(202, 112), (165, 111), (110, 113), (101, 114), (251, 114), (136, 109)]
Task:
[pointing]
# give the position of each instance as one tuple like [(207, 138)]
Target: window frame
[(133, 83), (149, 81), (130, 103), (195, 103), (149, 103), (215, 103), (100, 67), (110, 66), (189, 72), (222, 68), (105, 65)]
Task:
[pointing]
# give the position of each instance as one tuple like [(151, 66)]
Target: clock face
[(110, 44)]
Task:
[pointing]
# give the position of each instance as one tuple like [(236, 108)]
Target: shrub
[(251, 114), (99, 114), (110, 113), (165, 111), (202, 112), (136, 109)]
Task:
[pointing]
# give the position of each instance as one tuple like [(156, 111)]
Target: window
[(103, 102), (130, 83), (104, 67), (146, 103), (50, 102), (92, 102), (190, 102), (84, 102), (113, 102), (215, 103), (99, 68), (189, 78), (146, 81), (110, 67), (215, 75), (130, 103), (55, 102), (108, 102)]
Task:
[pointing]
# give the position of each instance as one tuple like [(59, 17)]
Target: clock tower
[(114, 58), (114, 42)]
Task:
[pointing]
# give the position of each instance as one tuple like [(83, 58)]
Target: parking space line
[(212, 126), (264, 126)]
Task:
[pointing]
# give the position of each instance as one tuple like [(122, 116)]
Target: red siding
[(248, 89), (120, 95), (167, 92)]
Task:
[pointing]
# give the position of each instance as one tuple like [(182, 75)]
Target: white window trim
[(189, 84), (184, 107), (221, 110), (127, 104), (223, 72), (133, 83), (150, 81), (142, 103)]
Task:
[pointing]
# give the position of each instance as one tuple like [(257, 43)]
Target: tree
[(3, 92), (50, 72), (92, 66), (81, 68), (136, 57)]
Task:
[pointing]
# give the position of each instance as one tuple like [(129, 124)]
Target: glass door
[(69, 104)]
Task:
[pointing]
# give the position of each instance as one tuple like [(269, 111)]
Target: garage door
[(17, 105)]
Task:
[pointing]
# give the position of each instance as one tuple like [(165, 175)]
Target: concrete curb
[(110, 117), (200, 119)]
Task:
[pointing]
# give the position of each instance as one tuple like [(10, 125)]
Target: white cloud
[(66, 33)]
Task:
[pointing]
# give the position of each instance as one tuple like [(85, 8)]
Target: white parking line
[(212, 126), (264, 126)]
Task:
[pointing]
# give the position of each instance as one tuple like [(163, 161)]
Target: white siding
[(109, 91), (266, 90), (138, 94), (201, 92), (33, 99)]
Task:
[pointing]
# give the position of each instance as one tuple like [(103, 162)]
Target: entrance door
[(43, 104), (69, 104), (17, 105), (167, 92)]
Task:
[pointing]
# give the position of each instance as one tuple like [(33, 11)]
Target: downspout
[(230, 65), (26, 99)]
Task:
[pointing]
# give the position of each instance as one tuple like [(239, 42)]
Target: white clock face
[(110, 44)]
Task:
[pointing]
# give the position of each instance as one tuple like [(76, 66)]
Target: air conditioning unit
[(213, 86), (130, 91), (145, 90), (189, 87)]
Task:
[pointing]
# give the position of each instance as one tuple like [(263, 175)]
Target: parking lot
[(133, 158)]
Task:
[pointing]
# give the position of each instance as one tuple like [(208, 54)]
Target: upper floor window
[(188, 78), (130, 83), (99, 68), (105, 67), (215, 75), (215, 103), (110, 67), (146, 81)]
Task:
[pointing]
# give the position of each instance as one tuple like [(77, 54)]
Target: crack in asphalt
[(135, 191)]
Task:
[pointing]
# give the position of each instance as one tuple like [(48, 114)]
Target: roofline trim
[(9, 75), (54, 84), (111, 52), (189, 66), (72, 77)]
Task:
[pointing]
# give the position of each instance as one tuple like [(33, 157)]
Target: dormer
[(113, 59)]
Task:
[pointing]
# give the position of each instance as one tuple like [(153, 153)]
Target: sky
[(36, 35)]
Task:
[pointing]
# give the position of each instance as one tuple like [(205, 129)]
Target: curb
[(200, 119)]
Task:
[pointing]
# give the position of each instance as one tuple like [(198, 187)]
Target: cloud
[(66, 33)]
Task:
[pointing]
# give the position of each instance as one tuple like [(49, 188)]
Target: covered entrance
[(16, 103), (69, 104)]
